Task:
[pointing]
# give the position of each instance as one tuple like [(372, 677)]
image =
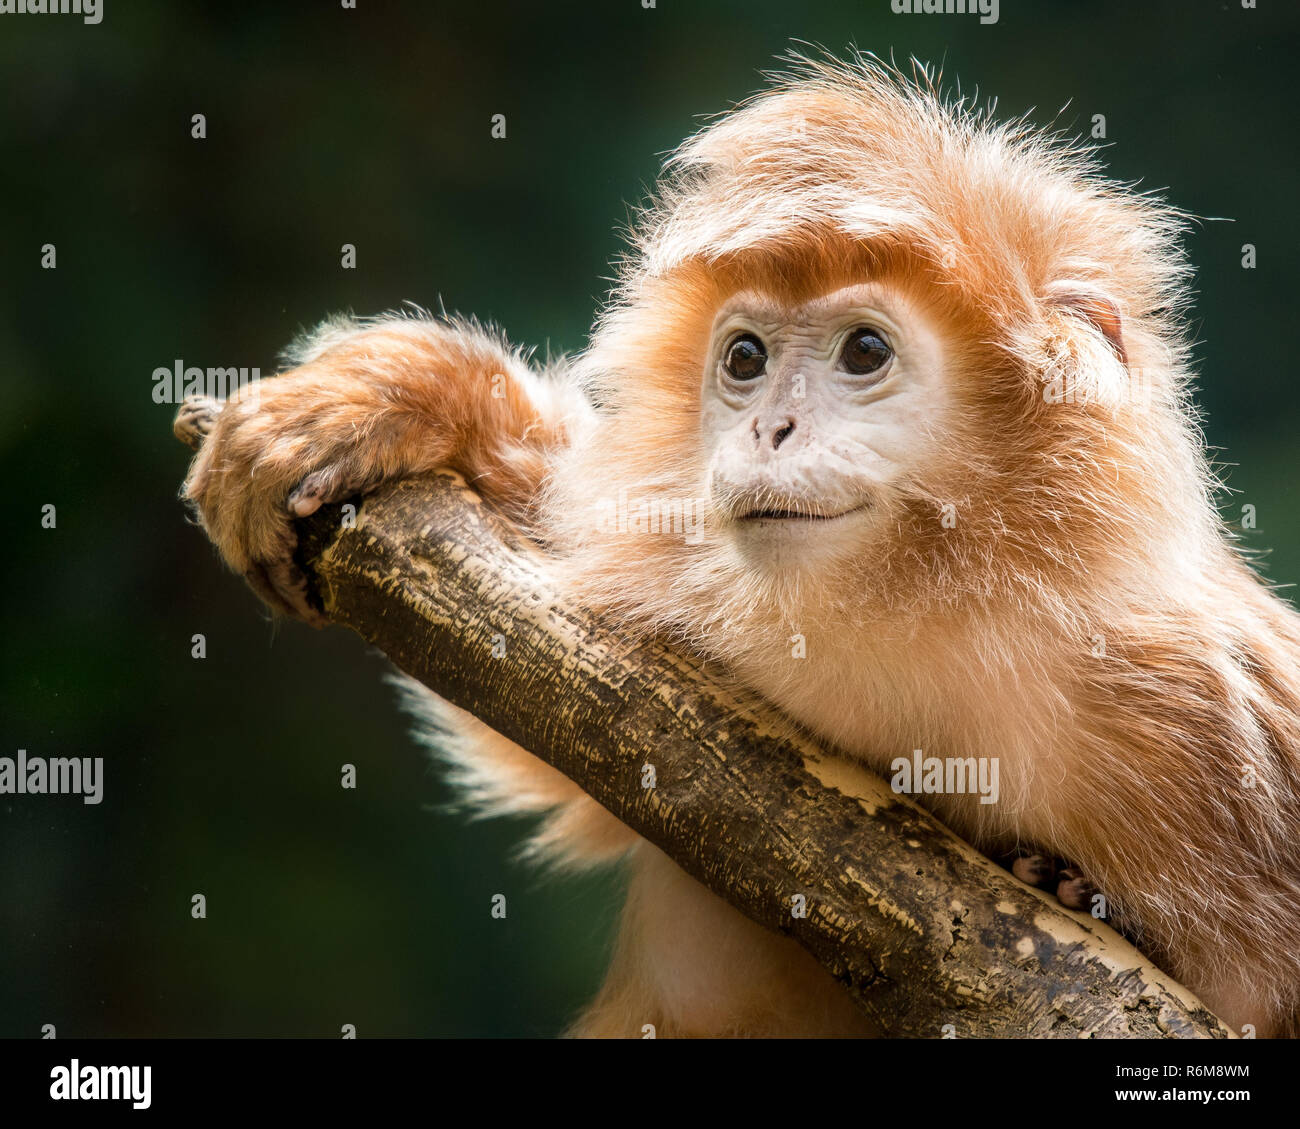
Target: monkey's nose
[(776, 431)]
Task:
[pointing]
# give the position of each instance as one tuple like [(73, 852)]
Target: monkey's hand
[(398, 397)]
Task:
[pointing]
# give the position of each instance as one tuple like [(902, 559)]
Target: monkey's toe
[(1075, 890), (1072, 887), (195, 418), (1035, 870)]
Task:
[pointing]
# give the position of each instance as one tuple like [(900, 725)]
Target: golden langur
[(926, 377)]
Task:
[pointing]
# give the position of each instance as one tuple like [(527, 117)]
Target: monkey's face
[(896, 363), (814, 414)]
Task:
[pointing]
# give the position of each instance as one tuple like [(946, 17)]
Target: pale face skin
[(813, 413)]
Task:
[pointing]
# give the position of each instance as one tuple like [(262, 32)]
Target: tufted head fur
[(1045, 578)]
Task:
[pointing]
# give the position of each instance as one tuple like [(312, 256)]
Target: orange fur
[(1077, 521)]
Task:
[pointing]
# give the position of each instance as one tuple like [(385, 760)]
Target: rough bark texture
[(922, 929)]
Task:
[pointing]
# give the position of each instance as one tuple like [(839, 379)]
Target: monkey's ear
[(1090, 302)]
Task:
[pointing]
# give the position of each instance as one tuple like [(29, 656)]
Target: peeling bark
[(921, 928)]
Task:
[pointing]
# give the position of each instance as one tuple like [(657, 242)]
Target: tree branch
[(922, 929)]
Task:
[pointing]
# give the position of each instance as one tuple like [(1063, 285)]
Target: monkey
[(926, 374)]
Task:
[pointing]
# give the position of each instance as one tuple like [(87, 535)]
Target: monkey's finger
[(321, 487), (284, 590), (310, 494), (195, 418)]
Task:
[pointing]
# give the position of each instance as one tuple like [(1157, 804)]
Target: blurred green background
[(329, 126)]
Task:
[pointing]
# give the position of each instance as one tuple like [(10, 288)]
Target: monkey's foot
[(1073, 889)]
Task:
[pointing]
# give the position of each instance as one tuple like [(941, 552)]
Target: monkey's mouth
[(774, 514)]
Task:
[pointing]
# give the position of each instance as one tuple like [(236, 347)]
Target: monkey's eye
[(746, 358), (865, 352)]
